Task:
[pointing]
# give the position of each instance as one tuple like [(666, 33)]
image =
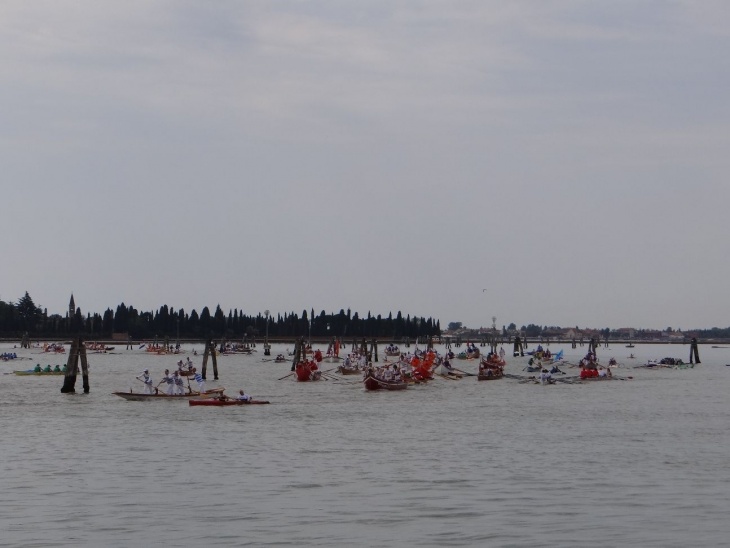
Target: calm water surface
[(640, 462)]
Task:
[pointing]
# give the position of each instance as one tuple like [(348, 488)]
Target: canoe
[(217, 402), (33, 372), (371, 383), (138, 396)]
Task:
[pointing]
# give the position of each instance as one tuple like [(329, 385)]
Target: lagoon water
[(641, 462)]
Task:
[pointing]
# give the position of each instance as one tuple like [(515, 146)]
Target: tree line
[(24, 316)]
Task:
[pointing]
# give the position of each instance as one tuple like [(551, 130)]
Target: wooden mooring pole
[(76, 353)]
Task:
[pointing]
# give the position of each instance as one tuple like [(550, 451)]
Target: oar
[(465, 373), (284, 377)]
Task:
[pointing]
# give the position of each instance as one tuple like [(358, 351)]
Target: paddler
[(179, 385), (545, 377), (57, 369), (38, 368), (147, 380), (243, 396), (200, 380), (169, 380), (48, 369)]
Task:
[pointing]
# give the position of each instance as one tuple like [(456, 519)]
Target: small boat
[(342, 370), (139, 396), (371, 383), (490, 375), (34, 372), (217, 402), (392, 350), (444, 371), (307, 371)]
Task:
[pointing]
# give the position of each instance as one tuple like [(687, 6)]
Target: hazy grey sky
[(571, 157)]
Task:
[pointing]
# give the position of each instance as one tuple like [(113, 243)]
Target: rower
[(147, 380), (57, 369), (545, 377), (179, 386), (199, 379), (170, 381), (242, 396), (38, 368), (47, 369)]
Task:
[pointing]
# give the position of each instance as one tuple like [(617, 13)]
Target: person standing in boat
[(147, 380), (179, 385), (200, 380), (169, 380)]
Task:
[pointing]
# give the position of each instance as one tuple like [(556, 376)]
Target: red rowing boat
[(219, 402), (307, 371)]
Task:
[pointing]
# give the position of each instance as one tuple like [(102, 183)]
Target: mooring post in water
[(374, 349), (430, 343), (215, 361), (298, 348), (693, 352), (72, 369), (518, 351), (206, 353)]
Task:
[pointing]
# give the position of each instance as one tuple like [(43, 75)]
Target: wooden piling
[(72, 368), (206, 353), (694, 352), (518, 349)]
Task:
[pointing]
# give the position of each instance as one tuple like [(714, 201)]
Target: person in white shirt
[(147, 380), (243, 396), (545, 377)]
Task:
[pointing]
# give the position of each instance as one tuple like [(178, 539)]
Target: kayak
[(217, 402)]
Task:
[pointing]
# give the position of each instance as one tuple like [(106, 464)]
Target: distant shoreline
[(403, 341)]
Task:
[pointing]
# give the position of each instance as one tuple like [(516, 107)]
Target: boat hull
[(137, 396), (31, 372), (214, 402), (371, 383), (492, 377)]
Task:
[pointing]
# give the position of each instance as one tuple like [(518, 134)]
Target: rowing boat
[(218, 402), (34, 372), (307, 371), (138, 396), (342, 370), (490, 375), (371, 383)]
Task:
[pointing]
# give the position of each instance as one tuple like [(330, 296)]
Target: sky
[(562, 163)]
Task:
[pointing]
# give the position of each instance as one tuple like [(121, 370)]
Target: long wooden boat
[(218, 402), (492, 375), (371, 383), (39, 373), (139, 396), (446, 372)]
